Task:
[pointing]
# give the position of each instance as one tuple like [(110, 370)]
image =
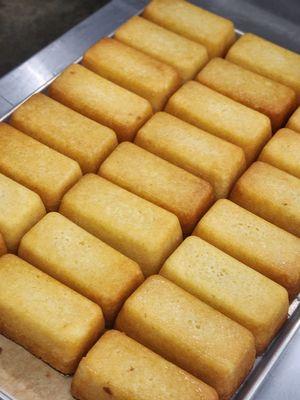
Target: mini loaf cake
[(64, 130), (257, 243), (121, 368), (137, 228), (294, 121), (101, 100), (270, 193), (81, 261), (50, 320), (162, 183), (283, 151), (230, 287), (271, 98), (221, 116), (218, 162), (186, 56), (267, 59), (45, 171), (214, 32), (133, 70), (188, 332), (20, 209)]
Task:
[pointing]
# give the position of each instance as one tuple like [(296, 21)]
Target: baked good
[(120, 367), (268, 59), (20, 209), (45, 171), (214, 32), (188, 332), (133, 70), (294, 121), (218, 162), (186, 56), (50, 320), (241, 293), (271, 98), (101, 100), (257, 243), (78, 259), (270, 193), (221, 116), (3, 248), (64, 130), (157, 180), (137, 228), (283, 151)]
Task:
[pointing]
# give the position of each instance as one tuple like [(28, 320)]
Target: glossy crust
[(186, 56), (81, 261), (259, 244), (45, 171), (119, 367), (218, 162), (294, 121), (133, 70), (64, 130), (271, 98), (188, 332), (221, 116), (270, 193), (214, 32), (283, 152), (50, 320), (267, 59), (137, 228), (101, 100), (244, 295), (20, 209), (158, 181)]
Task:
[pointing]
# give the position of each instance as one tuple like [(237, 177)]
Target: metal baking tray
[(34, 76)]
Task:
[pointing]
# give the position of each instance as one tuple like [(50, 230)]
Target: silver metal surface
[(263, 383)]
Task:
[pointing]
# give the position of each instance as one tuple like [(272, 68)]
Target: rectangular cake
[(186, 56), (270, 193), (133, 70), (45, 171), (50, 320), (65, 130), (157, 180), (121, 368), (78, 259), (294, 121), (241, 293), (221, 116), (137, 228), (257, 243), (188, 332), (101, 100)]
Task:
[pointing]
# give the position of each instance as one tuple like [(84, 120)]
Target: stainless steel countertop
[(282, 382)]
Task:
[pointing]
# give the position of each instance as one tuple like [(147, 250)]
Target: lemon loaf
[(65, 130), (101, 100), (186, 56), (190, 333), (119, 367), (270, 193), (241, 293), (133, 70), (45, 171), (81, 261), (221, 116), (137, 228), (50, 320), (157, 180)]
